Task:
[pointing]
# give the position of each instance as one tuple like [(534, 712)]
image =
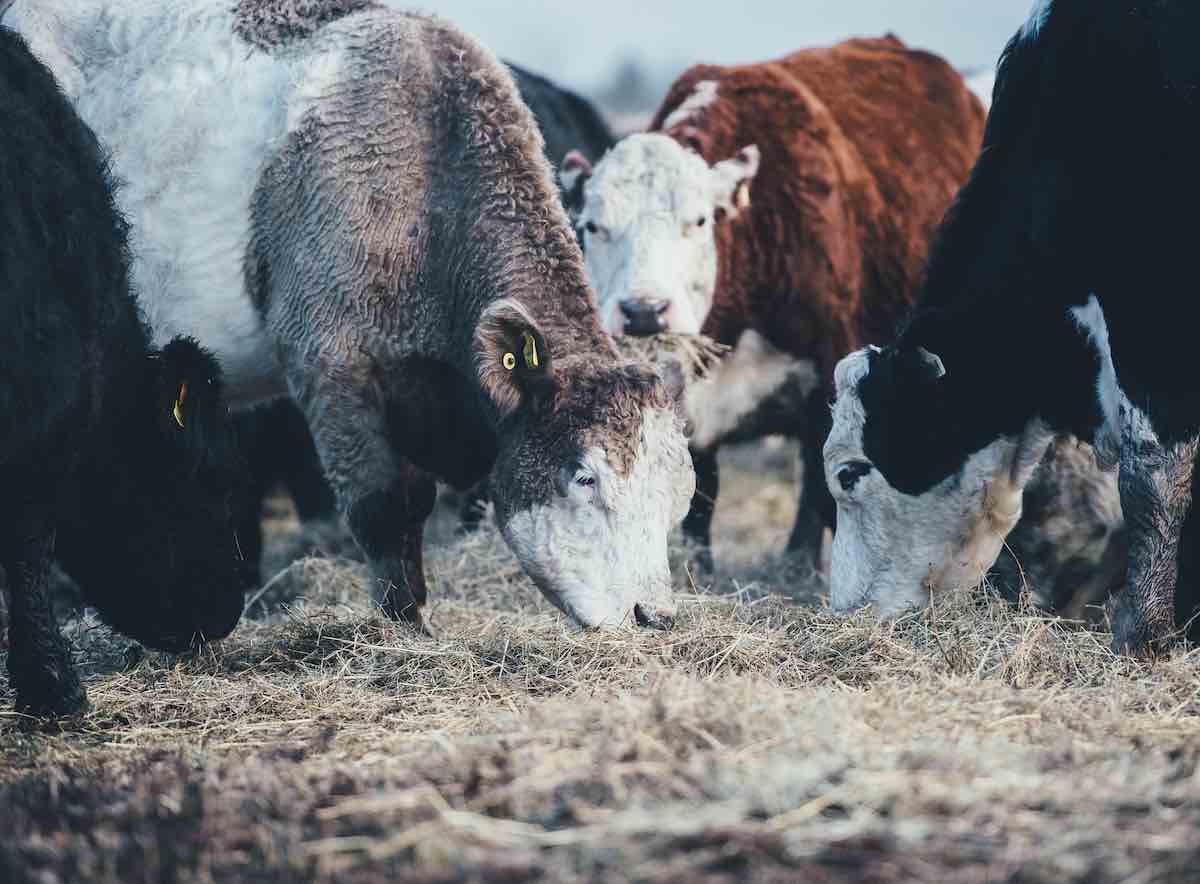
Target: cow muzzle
[(644, 316), (653, 616)]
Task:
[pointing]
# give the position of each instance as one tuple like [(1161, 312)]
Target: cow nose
[(653, 617), (644, 316)]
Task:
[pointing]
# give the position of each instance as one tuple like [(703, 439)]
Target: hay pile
[(762, 739)]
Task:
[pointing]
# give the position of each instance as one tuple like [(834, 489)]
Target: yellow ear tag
[(530, 351), (179, 400), (509, 361)]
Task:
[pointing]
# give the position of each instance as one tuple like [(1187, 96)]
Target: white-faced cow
[(350, 204), (114, 457), (1054, 305), (783, 209)]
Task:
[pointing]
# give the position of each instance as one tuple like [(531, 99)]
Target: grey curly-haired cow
[(350, 205)]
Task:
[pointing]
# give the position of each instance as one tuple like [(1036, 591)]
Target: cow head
[(592, 473), (647, 215), (920, 508), (154, 550)]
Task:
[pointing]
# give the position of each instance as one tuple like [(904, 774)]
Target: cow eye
[(591, 227), (701, 221), (585, 481)]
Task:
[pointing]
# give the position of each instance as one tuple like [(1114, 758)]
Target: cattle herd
[(343, 246)]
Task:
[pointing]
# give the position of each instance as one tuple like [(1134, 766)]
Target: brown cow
[(853, 153)]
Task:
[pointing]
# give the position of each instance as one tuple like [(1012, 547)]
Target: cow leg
[(384, 497), (474, 506), (303, 475), (40, 665), (697, 526), (389, 525), (817, 509), (1156, 496)]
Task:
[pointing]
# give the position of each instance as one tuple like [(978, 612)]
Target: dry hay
[(762, 739), (696, 354)]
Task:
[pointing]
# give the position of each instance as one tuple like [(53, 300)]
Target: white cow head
[(646, 216), (920, 507), (592, 472)]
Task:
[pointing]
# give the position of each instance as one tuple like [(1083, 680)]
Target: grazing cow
[(119, 452), (1049, 309), (275, 437), (351, 206), (852, 153)]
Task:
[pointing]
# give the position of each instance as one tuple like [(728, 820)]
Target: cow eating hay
[(351, 206)]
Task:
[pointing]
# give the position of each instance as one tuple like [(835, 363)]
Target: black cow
[(1056, 303), (568, 121), (115, 458)]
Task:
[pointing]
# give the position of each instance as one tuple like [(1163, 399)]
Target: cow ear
[(572, 176), (731, 182), (922, 365), (512, 358), (188, 403)]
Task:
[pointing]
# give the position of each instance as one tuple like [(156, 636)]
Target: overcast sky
[(578, 42)]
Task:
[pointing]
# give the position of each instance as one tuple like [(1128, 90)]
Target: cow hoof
[(408, 612), (52, 702)]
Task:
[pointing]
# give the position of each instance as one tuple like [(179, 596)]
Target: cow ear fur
[(731, 182), (572, 176), (512, 358), (188, 407)]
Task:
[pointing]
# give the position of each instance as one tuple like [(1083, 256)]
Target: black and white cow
[(350, 205), (1056, 303), (115, 458)]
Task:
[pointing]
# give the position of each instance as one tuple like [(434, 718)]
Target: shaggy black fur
[(90, 451), (1087, 182), (567, 121)]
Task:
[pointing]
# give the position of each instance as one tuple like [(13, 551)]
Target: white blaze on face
[(647, 219), (599, 548), (892, 550)]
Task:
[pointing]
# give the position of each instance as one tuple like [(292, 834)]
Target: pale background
[(626, 52)]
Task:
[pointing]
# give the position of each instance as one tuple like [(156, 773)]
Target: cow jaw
[(598, 551)]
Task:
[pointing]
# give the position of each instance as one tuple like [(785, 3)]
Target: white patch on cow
[(893, 550), (739, 383), (190, 114), (1037, 19), (702, 96), (598, 551), (1090, 318), (648, 218)]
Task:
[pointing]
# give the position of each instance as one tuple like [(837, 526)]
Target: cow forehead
[(647, 173)]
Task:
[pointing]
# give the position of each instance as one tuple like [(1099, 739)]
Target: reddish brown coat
[(863, 146)]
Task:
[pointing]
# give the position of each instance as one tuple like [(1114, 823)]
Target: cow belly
[(755, 390), (190, 114)]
